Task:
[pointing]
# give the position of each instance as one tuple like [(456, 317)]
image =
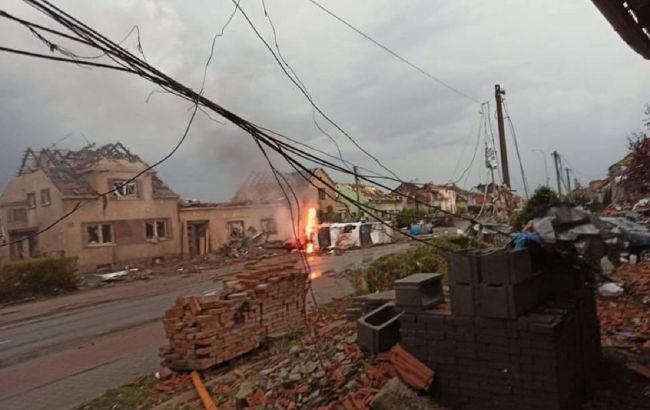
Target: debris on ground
[(396, 395), (322, 368), (414, 373), (610, 290), (113, 276), (624, 321), (207, 401)]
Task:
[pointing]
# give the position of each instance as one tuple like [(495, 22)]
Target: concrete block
[(505, 267), (462, 299), (378, 331), (419, 291), (493, 302), (463, 267)]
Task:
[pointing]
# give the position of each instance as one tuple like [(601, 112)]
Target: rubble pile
[(624, 320), (322, 368), (204, 331)]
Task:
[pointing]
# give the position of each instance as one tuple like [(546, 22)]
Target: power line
[(148, 72), (302, 84), (307, 96), (395, 54), (514, 137)]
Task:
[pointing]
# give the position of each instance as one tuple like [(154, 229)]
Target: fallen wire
[(143, 69)]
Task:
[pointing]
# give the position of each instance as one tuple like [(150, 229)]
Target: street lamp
[(548, 180)]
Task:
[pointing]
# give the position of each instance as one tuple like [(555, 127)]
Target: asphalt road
[(61, 358)]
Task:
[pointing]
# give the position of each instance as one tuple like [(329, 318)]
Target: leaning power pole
[(356, 188), (558, 173), (498, 94)]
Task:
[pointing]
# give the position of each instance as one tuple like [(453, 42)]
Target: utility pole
[(498, 94), (568, 181), (356, 188), (558, 176)]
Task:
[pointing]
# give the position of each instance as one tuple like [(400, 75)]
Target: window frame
[(31, 200), (23, 211), (118, 196), (154, 223), (264, 222), (49, 198), (322, 194), (100, 234), (230, 224)]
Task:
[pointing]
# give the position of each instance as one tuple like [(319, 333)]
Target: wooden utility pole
[(558, 175), (356, 189), (498, 94), (568, 181)]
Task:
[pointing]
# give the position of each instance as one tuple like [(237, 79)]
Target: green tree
[(536, 206)]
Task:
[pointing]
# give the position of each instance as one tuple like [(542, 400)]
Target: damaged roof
[(65, 168), (263, 187), (372, 193), (631, 20)]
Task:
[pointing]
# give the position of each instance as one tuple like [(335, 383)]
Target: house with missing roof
[(136, 222), (373, 201), (258, 206)]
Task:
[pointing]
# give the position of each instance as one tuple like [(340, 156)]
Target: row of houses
[(51, 207)]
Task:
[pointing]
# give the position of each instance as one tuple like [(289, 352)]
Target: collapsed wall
[(204, 331)]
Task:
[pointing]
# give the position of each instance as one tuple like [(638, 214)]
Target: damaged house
[(418, 197), (258, 206), (382, 204), (138, 221)]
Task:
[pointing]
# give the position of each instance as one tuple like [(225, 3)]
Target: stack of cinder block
[(204, 331), (492, 284), (496, 351)]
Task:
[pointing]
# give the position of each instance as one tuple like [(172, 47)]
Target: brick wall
[(204, 331), (545, 359)]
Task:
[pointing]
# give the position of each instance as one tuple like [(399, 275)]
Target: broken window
[(236, 229), (99, 233), (156, 229), (19, 215), (45, 197), (31, 200), (269, 226), (124, 190), (322, 195)]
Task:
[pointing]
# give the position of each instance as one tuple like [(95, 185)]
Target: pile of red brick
[(204, 331)]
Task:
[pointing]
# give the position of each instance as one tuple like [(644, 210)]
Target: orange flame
[(309, 230)]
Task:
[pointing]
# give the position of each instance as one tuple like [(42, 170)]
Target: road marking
[(5, 341)]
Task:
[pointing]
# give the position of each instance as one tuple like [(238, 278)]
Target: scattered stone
[(309, 368)]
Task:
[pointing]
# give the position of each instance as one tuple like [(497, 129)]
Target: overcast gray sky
[(572, 85)]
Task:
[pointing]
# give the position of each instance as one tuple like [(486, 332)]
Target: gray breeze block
[(505, 267), (378, 331), (419, 291)]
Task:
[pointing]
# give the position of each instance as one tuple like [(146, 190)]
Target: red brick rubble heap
[(204, 331)]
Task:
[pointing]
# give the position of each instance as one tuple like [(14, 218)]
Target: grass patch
[(37, 277), (137, 396), (381, 273)]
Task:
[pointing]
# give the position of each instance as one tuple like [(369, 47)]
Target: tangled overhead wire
[(127, 62)]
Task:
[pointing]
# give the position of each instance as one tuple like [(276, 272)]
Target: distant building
[(138, 221), (378, 203), (427, 196)]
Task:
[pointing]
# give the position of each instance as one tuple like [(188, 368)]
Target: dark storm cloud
[(572, 85)]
